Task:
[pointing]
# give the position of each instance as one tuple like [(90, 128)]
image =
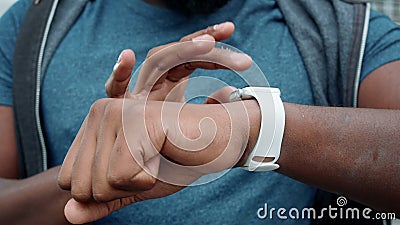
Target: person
[(339, 149)]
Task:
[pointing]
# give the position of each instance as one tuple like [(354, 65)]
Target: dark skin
[(26, 196), (357, 149), (290, 161), (356, 132), (35, 200), (353, 152)]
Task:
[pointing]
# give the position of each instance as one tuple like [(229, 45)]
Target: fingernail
[(116, 66), (118, 62), (119, 57), (203, 37), (215, 27), (219, 26)]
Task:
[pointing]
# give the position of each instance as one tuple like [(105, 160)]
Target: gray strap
[(326, 35), (67, 13), (24, 87)]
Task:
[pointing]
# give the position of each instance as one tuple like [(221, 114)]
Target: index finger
[(154, 69), (220, 32), (118, 81), (64, 176)]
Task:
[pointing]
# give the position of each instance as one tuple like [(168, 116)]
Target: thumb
[(80, 213), (220, 96), (118, 81)]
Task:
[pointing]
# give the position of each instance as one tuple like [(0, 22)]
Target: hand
[(125, 186), (99, 165), (158, 84)]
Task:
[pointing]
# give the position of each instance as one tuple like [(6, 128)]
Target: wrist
[(254, 114), (199, 132), (229, 127)]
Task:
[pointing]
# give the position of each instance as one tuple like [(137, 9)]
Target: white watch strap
[(270, 137)]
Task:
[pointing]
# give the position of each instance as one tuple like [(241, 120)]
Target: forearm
[(349, 151), (35, 200)]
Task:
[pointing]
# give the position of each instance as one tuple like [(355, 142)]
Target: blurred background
[(390, 7), (4, 5)]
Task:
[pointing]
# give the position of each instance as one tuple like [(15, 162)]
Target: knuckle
[(64, 184), (126, 181), (119, 178), (185, 38), (102, 192), (150, 53), (97, 107), (81, 190), (109, 108), (113, 108), (153, 51), (102, 197), (81, 195), (143, 183), (118, 181)]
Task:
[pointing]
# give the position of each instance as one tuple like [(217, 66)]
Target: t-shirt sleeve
[(383, 43), (9, 26)]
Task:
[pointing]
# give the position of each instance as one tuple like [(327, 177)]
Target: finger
[(220, 32), (220, 96), (223, 58), (175, 79), (118, 81), (132, 173), (180, 73), (153, 71), (64, 176), (81, 175), (103, 191), (80, 213), (214, 60)]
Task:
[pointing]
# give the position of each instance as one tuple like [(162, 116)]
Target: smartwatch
[(268, 147)]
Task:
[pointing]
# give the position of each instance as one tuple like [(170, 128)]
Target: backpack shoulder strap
[(45, 24), (329, 37)]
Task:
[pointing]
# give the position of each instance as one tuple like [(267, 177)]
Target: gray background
[(5, 4)]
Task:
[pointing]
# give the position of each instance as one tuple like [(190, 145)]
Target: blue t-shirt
[(76, 75)]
